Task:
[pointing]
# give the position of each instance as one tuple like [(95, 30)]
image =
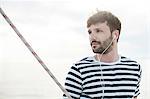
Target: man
[(107, 75)]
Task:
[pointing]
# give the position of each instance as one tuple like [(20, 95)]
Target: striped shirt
[(118, 80)]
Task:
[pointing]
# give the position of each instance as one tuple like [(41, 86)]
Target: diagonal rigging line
[(34, 53)]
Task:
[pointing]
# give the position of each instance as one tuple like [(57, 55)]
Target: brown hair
[(101, 16)]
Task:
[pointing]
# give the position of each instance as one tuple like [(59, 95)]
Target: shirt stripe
[(87, 79)]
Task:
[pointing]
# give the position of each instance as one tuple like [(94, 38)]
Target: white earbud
[(114, 37)]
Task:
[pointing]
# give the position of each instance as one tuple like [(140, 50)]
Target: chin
[(97, 52)]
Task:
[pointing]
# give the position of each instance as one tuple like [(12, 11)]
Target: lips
[(94, 43)]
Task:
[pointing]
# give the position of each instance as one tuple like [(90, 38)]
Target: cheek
[(101, 38), (104, 37)]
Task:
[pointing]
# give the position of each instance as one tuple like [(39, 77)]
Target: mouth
[(93, 43)]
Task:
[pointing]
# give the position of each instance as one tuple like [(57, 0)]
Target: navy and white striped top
[(120, 80)]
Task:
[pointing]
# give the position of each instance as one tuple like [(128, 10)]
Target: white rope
[(34, 53)]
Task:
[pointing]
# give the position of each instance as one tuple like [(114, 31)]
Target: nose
[(92, 36)]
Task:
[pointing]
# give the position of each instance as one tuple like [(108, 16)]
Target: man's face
[(100, 38)]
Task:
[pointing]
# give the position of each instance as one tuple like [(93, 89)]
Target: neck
[(112, 56)]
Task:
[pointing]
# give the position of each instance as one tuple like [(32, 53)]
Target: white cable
[(99, 59)]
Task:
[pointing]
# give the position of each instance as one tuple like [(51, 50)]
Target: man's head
[(103, 28)]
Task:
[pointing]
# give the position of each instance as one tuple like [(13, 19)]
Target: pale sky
[(66, 20), (56, 29)]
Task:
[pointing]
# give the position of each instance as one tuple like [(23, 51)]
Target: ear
[(115, 34)]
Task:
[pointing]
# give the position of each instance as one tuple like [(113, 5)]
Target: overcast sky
[(56, 29), (56, 23)]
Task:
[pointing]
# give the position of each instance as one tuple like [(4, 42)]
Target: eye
[(98, 30), (89, 31)]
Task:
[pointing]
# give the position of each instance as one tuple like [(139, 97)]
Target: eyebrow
[(95, 29)]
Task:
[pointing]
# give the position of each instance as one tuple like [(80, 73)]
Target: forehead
[(99, 25)]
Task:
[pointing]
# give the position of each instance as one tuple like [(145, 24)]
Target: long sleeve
[(73, 83)]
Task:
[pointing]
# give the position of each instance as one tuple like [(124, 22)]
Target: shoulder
[(130, 62), (84, 61), (76, 67)]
